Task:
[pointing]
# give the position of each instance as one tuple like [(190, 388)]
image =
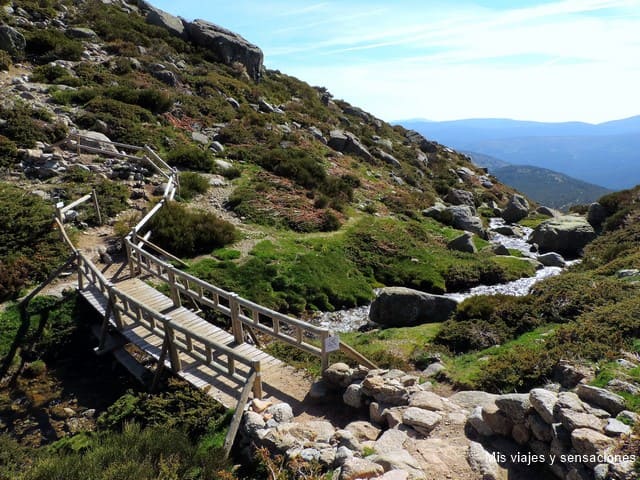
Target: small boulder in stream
[(404, 307)]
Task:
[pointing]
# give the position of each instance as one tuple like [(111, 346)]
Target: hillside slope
[(545, 186), (285, 162)]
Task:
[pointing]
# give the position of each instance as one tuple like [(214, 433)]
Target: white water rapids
[(353, 318)]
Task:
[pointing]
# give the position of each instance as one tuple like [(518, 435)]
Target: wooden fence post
[(324, 356), (257, 384), (96, 205), (174, 357), (175, 293), (236, 323)]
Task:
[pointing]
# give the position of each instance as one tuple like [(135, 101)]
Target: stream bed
[(353, 318)]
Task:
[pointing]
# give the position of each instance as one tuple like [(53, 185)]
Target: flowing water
[(353, 318)]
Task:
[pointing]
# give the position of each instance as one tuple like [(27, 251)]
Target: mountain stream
[(354, 318)]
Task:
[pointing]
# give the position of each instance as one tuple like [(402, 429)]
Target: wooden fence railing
[(125, 312)]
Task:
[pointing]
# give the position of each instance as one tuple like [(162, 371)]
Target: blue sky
[(552, 60)]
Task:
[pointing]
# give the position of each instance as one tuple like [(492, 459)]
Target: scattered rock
[(338, 375), (423, 421), (433, 369), (470, 399), (596, 215), (460, 197), (551, 259), (615, 428), (517, 208), (228, 47), (601, 397), (200, 138), (462, 217), (353, 396), (402, 307), (11, 40), (80, 32), (400, 460), (543, 401), (550, 212), (484, 463), (427, 401), (463, 243), (497, 420), (281, 412), (348, 143), (589, 442), (477, 422), (567, 235), (96, 140), (359, 468), (572, 420), (167, 77), (387, 157), (160, 18), (569, 374), (515, 405), (501, 250), (363, 431)]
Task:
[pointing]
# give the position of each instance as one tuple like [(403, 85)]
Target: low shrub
[(51, 44), (188, 233), (192, 184), (5, 61), (190, 157), (55, 74), (26, 125), (296, 164), (8, 152)]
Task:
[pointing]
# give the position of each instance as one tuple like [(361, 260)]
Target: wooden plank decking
[(224, 389)]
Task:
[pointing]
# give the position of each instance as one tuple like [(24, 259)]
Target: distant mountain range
[(545, 186), (606, 154)]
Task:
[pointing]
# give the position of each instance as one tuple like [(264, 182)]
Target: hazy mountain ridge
[(581, 150), (545, 186)]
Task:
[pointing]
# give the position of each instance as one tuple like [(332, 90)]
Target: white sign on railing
[(332, 343)]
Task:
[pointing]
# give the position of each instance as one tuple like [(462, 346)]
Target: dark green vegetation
[(192, 184), (174, 434), (26, 125), (29, 247), (319, 272), (187, 232)]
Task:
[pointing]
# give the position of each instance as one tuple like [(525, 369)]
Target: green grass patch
[(475, 370), (533, 220)]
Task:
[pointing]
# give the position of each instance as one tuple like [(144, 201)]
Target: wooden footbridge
[(155, 320)]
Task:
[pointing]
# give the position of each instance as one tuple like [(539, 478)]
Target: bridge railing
[(128, 313), (242, 312)]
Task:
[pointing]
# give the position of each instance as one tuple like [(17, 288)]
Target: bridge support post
[(324, 356), (160, 367), (175, 294), (176, 364), (236, 323), (257, 383)]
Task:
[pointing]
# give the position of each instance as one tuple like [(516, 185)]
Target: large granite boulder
[(463, 243), (160, 18), (566, 235), (461, 217), (404, 307), (228, 47), (516, 209), (460, 197), (347, 142), (11, 40), (423, 144), (596, 215)]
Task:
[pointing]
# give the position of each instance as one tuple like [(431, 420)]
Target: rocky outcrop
[(558, 426), (460, 197), (422, 143), (347, 142), (11, 40), (462, 217), (403, 307), (596, 215), (516, 209), (566, 235), (160, 18), (228, 47), (551, 259)]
